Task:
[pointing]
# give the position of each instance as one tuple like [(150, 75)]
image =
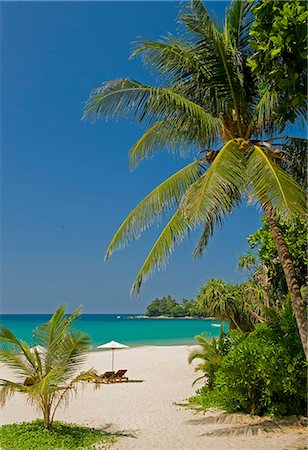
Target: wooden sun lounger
[(105, 377), (119, 376), (108, 374)]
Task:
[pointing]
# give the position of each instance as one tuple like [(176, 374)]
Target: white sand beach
[(147, 412)]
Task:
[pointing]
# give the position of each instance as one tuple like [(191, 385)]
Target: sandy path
[(146, 412)]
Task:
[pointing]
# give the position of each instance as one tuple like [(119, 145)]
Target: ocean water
[(131, 331)]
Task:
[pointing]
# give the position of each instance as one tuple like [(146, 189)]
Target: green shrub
[(32, 435), (264, 372)]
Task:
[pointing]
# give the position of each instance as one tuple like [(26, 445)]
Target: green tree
[(225, 301), (279, 38), (47, 374), (263, 257), (211, 104)]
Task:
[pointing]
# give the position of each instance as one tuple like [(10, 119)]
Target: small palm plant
[(46, 373), (210, 355)]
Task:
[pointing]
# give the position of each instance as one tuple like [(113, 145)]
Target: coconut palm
[(209, 104), (46, 373)]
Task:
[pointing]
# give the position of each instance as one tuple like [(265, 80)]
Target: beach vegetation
[(64, 436), (210, 103), (263, 264), (263, 372), (226, 302), (48, 373)]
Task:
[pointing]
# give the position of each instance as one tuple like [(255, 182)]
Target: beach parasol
[(113, 345)]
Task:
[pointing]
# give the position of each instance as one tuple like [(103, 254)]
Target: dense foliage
[(21, 436), (263, 372), (169, 307), (279, 41), (225, 301), (265, 255)]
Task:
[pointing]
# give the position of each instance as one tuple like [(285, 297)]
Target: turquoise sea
[(132, 331)]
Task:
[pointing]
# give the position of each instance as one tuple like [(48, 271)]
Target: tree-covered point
[(169, 307)]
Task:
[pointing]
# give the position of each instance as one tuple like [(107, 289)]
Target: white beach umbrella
[(113, 345)]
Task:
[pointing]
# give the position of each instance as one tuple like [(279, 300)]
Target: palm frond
[(129, 98), (17, 363), (264, 113), (238, 22), (9, 388), (226, 74), (173, 233), (208, 231), (273, 187), (219, 189), (53, 336), (176, 60), (77, 346), (10, 343), (163, 198), (181, 136)]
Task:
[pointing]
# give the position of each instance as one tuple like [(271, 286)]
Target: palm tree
[(224, 301), (46, 372), (209, 355), (208, 103)]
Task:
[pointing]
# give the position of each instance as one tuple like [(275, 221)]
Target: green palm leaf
[(273, 187), (238, 21), (173, 233), (219, 189), (161, 199), (129, 98), (176, 60), (204, 239), (223, 61), (176, 135)]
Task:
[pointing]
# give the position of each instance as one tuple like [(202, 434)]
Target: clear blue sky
[(66, 185)]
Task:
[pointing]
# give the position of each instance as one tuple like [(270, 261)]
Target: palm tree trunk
[(290, 276), (46, 412)]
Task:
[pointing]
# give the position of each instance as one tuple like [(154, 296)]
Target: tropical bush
[(46, 373), (263, 372)]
